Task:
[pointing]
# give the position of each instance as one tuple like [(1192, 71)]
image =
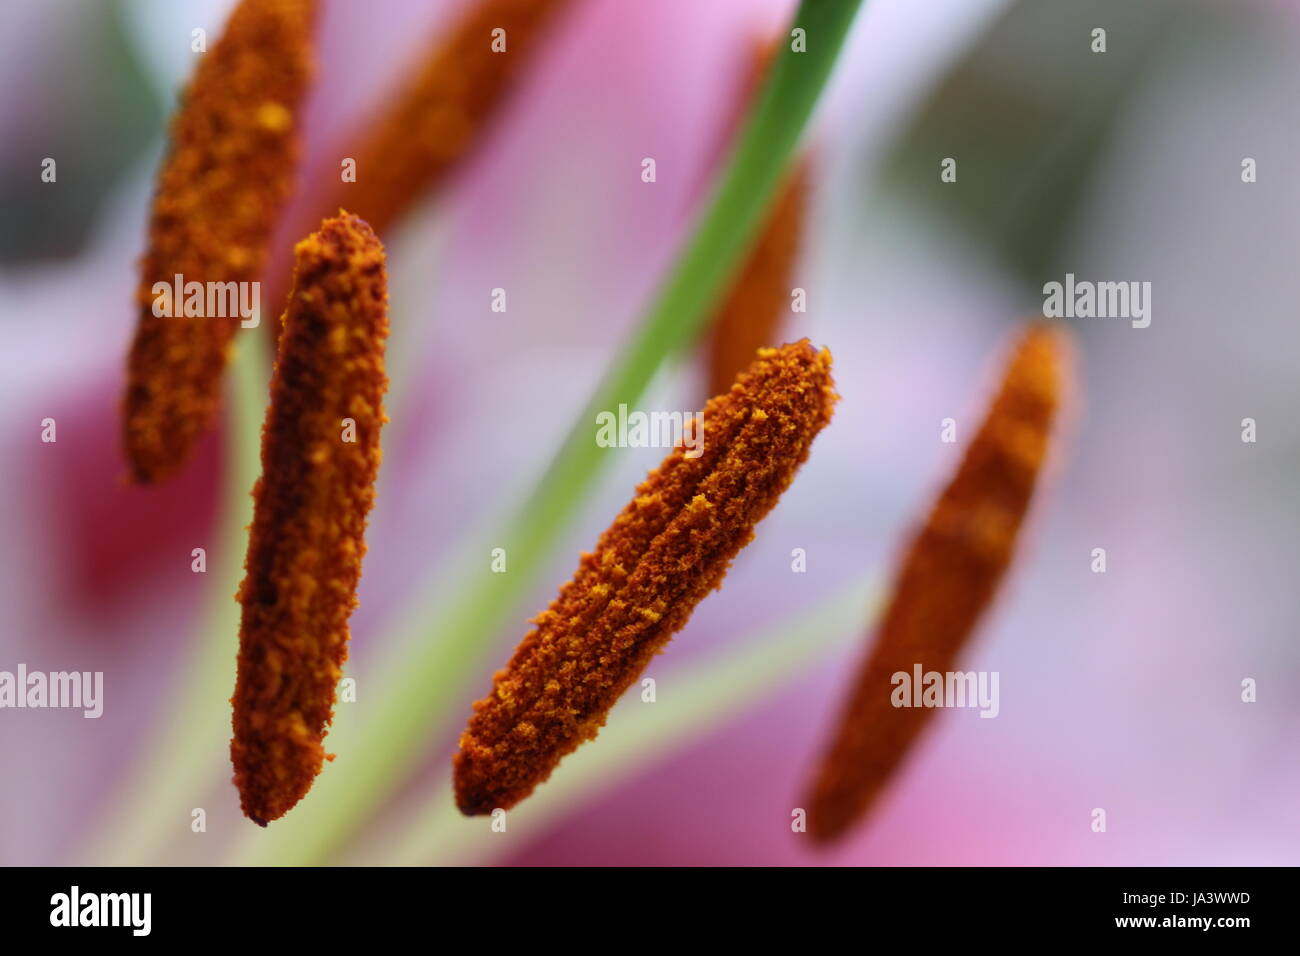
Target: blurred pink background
[(1119, 691)]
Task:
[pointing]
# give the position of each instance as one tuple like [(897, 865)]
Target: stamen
[(663, 554), (750, 317), (436, 117), (948, 577), (320, 458), (434, 120), (221, 186)]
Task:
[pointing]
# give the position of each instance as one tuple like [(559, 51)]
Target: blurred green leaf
[(197, 727), (95, 114), (1027, 113)]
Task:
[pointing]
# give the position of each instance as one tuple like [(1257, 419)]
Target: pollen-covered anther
[(424, 128), (309, 515), (946, 580), (671, 546), (760, 294), (429, 124), (227, 173)]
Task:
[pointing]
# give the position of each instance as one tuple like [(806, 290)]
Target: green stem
[(401, 701), (155, 805)]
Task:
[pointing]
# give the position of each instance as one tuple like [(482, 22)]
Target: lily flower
[(519, 266)]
